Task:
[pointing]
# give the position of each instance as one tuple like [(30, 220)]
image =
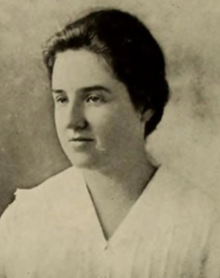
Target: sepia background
[(188, 138)]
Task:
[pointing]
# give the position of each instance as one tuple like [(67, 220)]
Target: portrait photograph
[(109, 139)]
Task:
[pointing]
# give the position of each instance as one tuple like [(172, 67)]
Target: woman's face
[(95, 119)]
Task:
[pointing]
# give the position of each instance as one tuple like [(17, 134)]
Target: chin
[(89, 159), (83, 162)]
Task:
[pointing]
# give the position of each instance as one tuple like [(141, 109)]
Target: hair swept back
[(128, 47)]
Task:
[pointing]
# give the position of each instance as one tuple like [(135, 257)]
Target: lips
[(80, 139), (80, 143)]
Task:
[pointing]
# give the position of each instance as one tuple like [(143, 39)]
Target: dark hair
[(128, 47)]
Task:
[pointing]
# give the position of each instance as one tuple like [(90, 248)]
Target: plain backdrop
[(188, 138)]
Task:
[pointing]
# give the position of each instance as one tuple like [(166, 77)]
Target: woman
[(114, 213)]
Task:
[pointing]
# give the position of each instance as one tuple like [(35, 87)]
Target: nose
[(75, 118)]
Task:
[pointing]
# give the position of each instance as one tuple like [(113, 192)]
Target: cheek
[(123, 128), (102, 119), (109, 125), (59, 117), (59, 124)]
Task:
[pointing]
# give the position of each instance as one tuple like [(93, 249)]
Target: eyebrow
[(84, 89)]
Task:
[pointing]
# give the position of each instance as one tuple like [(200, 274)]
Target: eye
[(94, 99), (61, 99)]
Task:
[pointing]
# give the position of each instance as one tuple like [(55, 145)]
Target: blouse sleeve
[(4, 232), (6, 221), (212, 263)]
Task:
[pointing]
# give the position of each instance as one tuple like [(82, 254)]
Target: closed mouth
[(81, 139)]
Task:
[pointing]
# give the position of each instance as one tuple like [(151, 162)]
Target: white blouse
[(53, 231)]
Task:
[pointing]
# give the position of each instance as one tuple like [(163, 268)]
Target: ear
[(146, 115)]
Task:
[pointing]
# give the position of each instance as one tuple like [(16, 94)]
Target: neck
[(115, 189), (126, 180)]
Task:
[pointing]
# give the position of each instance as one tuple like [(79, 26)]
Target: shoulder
[(44, 200), (57, 183), (186, 199), (189, 216), (53, 188)]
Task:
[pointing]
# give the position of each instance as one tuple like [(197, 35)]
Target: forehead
[(80, 68)]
